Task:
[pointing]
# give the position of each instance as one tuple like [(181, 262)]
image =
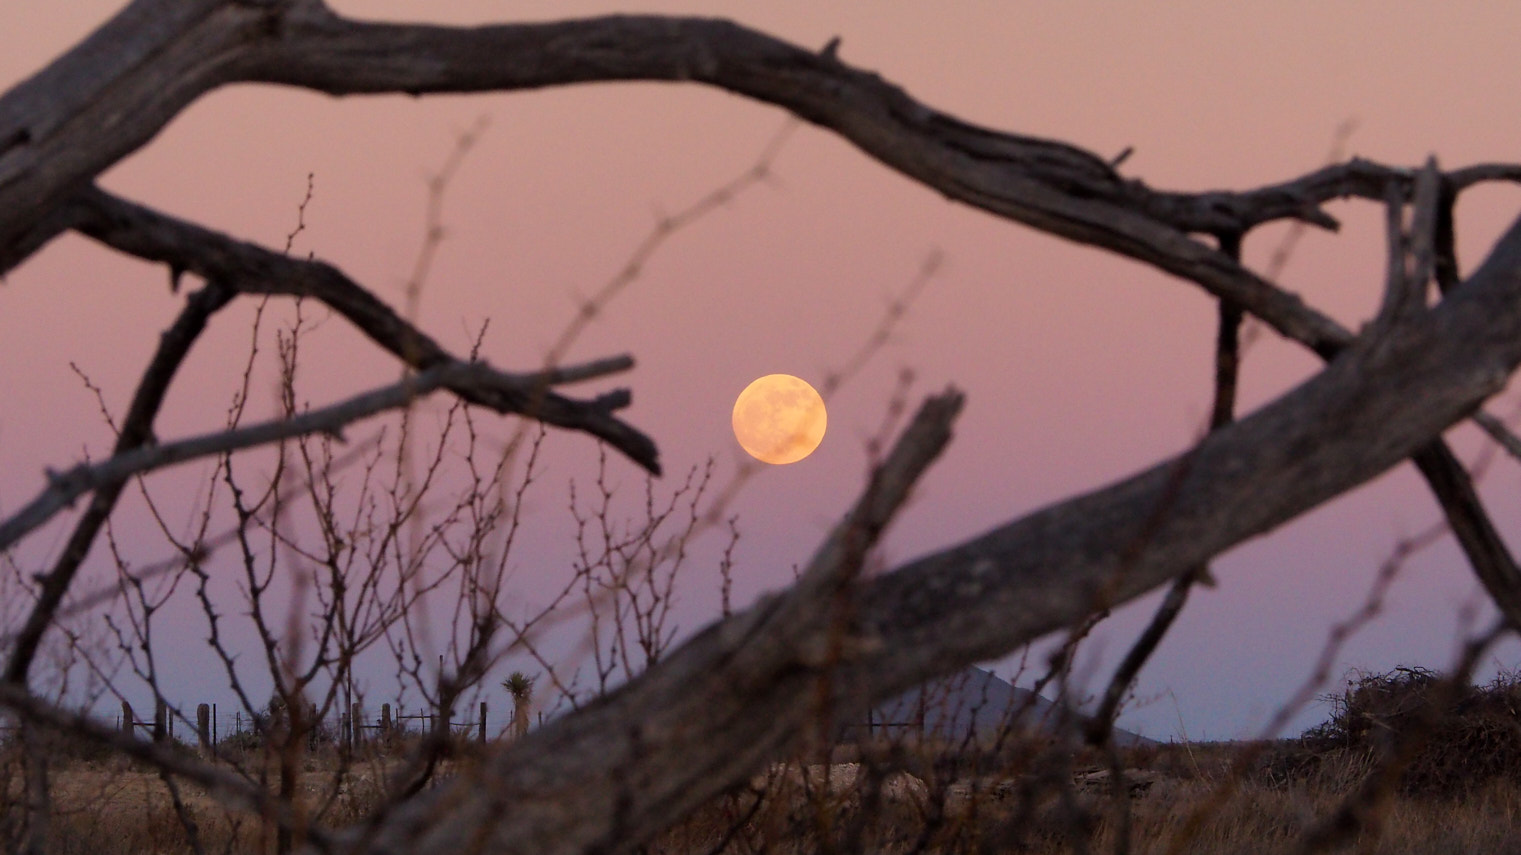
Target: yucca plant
[(520, 686)]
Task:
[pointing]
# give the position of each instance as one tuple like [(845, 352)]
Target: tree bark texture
[(744, 690)]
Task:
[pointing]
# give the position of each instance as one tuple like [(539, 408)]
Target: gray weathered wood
[(745, 689), (701, 721)]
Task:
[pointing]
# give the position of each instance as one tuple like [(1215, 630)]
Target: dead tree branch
[(747, 687), (613, 774), (165, 54), (481, 379), (249, 269), (604, 773)]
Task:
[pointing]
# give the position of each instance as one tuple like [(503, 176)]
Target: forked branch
[(65, 487), (1052, 186), (246, 268), (741, 691)]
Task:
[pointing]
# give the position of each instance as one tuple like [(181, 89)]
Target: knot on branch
[(68, 482)]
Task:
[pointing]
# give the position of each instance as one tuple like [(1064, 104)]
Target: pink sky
[(1079, 367)]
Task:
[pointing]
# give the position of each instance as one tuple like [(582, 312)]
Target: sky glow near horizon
[(1080, 368)]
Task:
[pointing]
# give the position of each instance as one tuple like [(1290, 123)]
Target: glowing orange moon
[(779, 419)]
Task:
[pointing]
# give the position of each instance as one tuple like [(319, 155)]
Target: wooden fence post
[(160, 720), (385, 719), (919, 715), (203, 727), (483, 721), (127, 721), (356, 717)]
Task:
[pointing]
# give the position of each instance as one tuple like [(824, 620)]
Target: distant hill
[(973, 700)]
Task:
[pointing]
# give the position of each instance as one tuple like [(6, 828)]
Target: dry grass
[(114, 805), (1458, 789), (1190, 803), (1187, 799), (109, 808)]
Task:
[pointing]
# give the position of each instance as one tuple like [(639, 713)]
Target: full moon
[(779, 419)]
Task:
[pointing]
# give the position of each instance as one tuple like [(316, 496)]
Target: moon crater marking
[(779, 419)]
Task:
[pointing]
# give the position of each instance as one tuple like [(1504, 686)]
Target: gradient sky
[(1080, 367)]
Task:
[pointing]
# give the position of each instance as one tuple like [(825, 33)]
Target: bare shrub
[(1465, 737), (671, 726)]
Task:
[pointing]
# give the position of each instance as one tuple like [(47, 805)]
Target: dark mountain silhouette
[(975, 701)]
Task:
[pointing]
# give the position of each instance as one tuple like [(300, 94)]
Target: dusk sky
[(1079, 367)]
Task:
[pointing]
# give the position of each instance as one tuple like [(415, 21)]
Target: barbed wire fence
[(203, 725)]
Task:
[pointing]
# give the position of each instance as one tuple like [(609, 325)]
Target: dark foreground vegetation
[(326, 554), (1406, 764)]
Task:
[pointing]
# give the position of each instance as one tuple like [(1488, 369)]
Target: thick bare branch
[(1469, 522), (174, 58), (1050, 185), (231, 267), (612, 770), (1500, 433), (1411, 250), (65, 487), (250, 269), (1370, 407), (1417, 255), (621, 769), (616, 772)]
